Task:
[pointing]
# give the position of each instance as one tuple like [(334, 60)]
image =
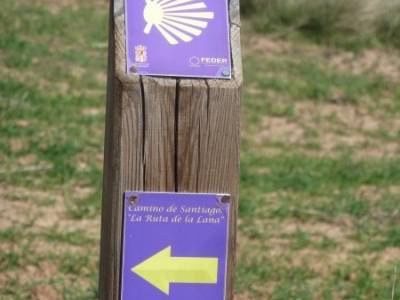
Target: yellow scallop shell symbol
[(177, 20)]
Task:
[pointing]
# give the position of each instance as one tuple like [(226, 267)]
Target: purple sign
[(180, 38), (175, 246)]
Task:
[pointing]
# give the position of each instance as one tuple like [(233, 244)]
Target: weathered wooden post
[(167, 135)]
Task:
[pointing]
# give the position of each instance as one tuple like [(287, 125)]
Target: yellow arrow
[(162, 269)]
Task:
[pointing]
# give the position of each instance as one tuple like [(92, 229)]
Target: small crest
[(140, 54)]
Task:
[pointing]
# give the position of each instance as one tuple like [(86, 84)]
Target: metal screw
[(133, 200), (133, 69), (226, 73), (225, 199)]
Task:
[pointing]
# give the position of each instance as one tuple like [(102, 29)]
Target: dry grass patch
[(275, 129), (45, 292), (381, 62), (27, 209), (244, 296), (321, 262), (333, 129), (384, 63)]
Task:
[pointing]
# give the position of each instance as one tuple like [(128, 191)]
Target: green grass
[(317, 176), (286, 77), (52, 89), (74, 238), (350, 24), (317, 221)]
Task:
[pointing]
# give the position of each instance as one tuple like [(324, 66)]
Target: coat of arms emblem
[(140, 54)]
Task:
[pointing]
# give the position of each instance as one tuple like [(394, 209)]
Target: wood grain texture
[(159, 143), (192, 115), (165, 134), (219, 170)]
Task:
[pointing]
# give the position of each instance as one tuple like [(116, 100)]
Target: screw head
[(226, 73), (133, 69), (133, 200), (225, 199)]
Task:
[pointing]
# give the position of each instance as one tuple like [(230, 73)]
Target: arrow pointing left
[(162, 269)]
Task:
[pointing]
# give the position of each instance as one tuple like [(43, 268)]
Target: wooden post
[(172, 135)]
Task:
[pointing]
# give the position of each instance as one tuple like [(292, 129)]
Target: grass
[(351, 24), (52, 68), (320, 176)]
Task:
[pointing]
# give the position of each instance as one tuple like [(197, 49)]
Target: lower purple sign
[(181, 38), (175, 246)]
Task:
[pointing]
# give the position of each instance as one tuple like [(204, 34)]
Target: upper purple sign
[(179, 38), (175, 246)]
